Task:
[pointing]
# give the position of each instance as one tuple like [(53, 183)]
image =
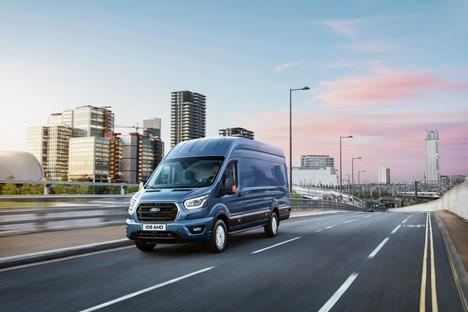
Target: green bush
[(9, 189)]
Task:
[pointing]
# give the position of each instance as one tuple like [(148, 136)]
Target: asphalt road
[(337, 262)]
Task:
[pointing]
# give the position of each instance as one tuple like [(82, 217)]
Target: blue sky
[(244, 55)]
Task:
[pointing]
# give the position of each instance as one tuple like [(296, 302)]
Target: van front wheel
[(271, 229), (218, 240), (144, 245)]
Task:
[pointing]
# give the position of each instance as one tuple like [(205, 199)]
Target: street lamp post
[(352, 173), (290, 134), (341, 166)]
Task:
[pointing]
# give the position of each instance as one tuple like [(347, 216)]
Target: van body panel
[(261, 187)]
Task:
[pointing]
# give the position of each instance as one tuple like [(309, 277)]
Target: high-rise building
[(115, 154), (57, 153), (36, 142), (237, 132), (50, 147), (188, 116), (432, 173), (152, 127), (64, 118), (140, 155), (93, 121), (318, 162), (383, 175), (89, 159)]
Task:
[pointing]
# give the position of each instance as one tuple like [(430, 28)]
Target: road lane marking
[(22, 266), (352, 220), (276, 245), (142, 291), (377, 249), (329, 227), (337, 295), (318, 231), (435, 307), (366, 217), (422, 297), (404, 221), (396, 229)]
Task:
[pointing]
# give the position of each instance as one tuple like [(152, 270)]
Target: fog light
[(196, 229)]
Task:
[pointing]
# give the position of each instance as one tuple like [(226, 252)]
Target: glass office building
[(36, 143), (89, 159)]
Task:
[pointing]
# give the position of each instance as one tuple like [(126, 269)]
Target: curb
[(458, 270), (7, 262)]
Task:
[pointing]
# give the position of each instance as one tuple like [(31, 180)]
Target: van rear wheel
[(271, 229), (144, 245)]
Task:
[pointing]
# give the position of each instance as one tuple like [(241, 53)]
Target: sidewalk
[(458, 231), (36, 242)]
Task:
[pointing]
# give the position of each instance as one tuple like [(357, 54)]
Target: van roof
[(219, 146)]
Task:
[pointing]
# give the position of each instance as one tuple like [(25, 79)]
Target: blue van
[(208, 188)]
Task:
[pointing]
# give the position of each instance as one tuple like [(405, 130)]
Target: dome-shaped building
[(19, 166)]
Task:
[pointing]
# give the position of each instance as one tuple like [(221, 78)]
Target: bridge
[(326, 259)]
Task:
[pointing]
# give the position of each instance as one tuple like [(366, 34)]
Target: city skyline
[(373, 72)]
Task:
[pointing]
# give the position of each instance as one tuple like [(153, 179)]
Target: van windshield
[(185, 172)]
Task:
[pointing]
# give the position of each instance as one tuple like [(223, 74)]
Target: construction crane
[(136, 127)]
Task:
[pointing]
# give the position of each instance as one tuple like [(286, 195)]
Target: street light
[(290, 134), (352, 173), (341, 167)]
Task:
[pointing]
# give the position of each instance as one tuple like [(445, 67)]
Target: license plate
[(154, 227)]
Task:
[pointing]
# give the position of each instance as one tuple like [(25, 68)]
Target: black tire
[(270, 229), (145, 246), (212, 244)]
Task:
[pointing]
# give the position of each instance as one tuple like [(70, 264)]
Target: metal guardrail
[(322, 204), (27, 220)]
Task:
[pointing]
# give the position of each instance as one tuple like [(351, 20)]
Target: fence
[(99, 211)]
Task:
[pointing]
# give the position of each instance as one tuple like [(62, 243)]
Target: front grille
[(167, 212)]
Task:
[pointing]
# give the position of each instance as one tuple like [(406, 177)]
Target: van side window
[(230, 173), (258, 172)]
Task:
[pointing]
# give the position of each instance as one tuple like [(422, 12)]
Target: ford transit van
[(207, 189)]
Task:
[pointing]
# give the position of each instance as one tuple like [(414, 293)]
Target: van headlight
[(133, 205), (197, 202)]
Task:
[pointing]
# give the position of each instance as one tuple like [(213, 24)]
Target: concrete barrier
[(455, 200)]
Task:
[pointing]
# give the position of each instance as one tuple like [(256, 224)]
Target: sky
[(382, 71)]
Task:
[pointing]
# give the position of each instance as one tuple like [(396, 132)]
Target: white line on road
[(404, 221), (329, 227), (352, 220), (337, 295), (276, 245), (377, 249), (64, 259), (136, 293), (396, 229), (366, 217), (318, 231)]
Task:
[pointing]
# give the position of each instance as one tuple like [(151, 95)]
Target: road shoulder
[(454, 231)]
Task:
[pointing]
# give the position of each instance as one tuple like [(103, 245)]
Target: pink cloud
[(382, 84)]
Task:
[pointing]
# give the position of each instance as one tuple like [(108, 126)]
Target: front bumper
[(176, 231)]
